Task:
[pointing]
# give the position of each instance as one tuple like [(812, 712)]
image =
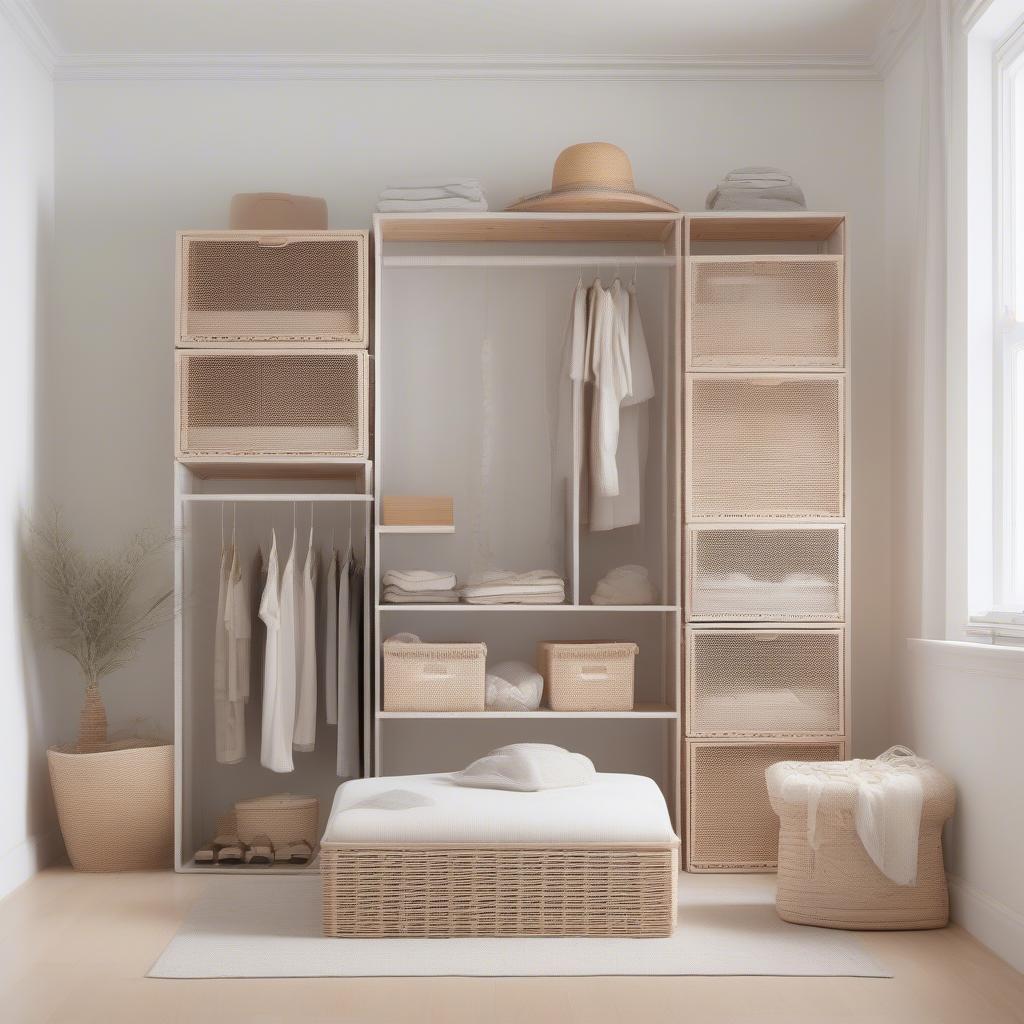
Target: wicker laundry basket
[(115, 806), (588, 677), (838, 885), (283, 818), (434, 677)]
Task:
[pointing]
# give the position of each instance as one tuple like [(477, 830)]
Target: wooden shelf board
[(640, 711), (763, 227), (526, 227), (278, 467), (460, 607), (417, 529)]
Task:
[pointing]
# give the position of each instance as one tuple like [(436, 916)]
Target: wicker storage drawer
[(763, 446), (765, 311), (753, 682), (588, 677), (765, 573), (282, 819), (730, 824), (256, 287), (434, 677), (272, 403)]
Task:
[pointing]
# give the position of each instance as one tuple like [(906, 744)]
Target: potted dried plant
[(114, 798)]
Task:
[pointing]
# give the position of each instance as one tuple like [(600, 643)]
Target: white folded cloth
[(436, 183), (418, 580), (502, 586), (628, 584), (758, 177), (514, 597), (395, 595), (426, 205), (756, 188), (473, 191)]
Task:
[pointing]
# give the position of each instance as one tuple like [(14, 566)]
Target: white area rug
[(269, 928)]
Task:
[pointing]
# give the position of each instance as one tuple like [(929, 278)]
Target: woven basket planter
[(115, 806)]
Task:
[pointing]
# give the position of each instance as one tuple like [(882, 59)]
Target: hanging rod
[(227, 499), (529, 261)]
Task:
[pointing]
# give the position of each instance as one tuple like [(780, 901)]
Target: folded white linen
[(516, 598), (534, 590), (730, 198), (418, 579), (513, 686), (771, 175), (426, 205), (395, 595), (436, 183), (527, 768), (628, 584), (444, 192), (509, 577)]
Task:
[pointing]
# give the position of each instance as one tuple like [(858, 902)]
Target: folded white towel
[(771, 175), (419, 579), (438, 183), (395, 595), (445, 192), (508, 577), (426, 205), (516, 598)]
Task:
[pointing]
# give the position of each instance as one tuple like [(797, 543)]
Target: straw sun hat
[(592, 177)]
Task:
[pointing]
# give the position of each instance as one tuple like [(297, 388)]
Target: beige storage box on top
[(417, 510), (433, 677), (588, 677), (272, 287), (284, 818), (272, 402)]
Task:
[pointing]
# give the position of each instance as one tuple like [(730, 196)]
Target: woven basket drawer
[(282, 819), (272, 403), (765, 573), (753, 682), (765, 311), (730, 824), (271, 287), (588, 677), (765, 446), (434, 677)]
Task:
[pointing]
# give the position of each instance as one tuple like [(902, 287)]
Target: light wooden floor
[(75, 949)]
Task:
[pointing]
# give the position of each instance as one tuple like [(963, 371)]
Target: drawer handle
[(273, 243), (436, 673), (594, 673)]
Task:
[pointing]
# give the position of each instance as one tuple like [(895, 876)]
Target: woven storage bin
[(838, 885), (764, 446), (434, 677), (270, 287), (588, 677), (765, 573), (443, 891), (282, 819), (752, 682), (770, 311), (730, 824), (115, 806), (272, 403)]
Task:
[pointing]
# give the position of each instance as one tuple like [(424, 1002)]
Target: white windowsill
[(980, 659)]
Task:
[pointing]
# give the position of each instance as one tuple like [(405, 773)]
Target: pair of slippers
[(230, 850)]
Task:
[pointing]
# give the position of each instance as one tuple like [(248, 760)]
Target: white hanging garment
[(228, 713), (572, 370), (609, 370), (304, 739), (345, 640), (277, 611), (351, 677), (328, 646), (624, 509), (237, 628)]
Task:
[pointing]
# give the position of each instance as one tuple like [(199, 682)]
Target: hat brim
[(592, 201)]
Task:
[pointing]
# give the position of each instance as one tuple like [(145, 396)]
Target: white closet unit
[(766, 500), (473, 403)]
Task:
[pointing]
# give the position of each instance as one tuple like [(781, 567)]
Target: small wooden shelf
[(762, 227), (417, 529), (527, 227), (640, 711), (278, 467), (536, 608)]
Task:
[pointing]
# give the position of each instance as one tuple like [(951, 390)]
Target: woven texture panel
[(756, 683), (765, 447), (434, 677), (837, 885), (303, 289), (588, 677), (263, 403), (784, 575), (730, 822), (286, 820), (443, 892), (766, 312)]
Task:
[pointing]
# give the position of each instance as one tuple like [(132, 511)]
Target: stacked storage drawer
[(765, 510), (271, 332)]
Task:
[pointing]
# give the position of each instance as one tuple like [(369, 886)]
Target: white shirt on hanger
[(350, 597), (304, 738), (228, 712), (277, 611), (328, 661)]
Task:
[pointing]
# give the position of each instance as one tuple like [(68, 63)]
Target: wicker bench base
[(442, 891)]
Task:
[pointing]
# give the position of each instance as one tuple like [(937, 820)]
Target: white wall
[(27, 834), (138, 160)]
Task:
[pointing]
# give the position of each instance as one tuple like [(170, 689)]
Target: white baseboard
[(989, 921), (21, 862)]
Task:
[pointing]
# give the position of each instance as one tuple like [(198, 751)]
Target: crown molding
[(29, 26), (896, 32), (214, 66)]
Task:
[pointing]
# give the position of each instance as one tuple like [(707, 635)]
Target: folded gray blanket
[(780, 197)]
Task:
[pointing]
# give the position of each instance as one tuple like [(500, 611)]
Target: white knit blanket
[(887, 806)]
